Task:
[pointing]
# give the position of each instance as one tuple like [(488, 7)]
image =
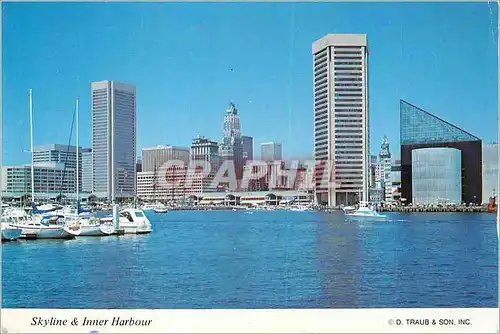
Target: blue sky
[(189, 60)]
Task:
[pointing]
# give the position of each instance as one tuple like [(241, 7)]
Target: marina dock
[(411, 209)]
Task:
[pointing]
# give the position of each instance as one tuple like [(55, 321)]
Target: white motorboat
[(89, 229), (157, 207), (94, 227), (132, 221), (9, 232), (349, 209), (160, 208), (365, 212)]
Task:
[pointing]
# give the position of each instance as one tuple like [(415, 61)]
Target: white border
[(485, 320)]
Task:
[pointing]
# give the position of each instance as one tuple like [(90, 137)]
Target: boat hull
[(56, 232), (135, 229), (96, 230), (160, 210), (11, 233), (365, 216)]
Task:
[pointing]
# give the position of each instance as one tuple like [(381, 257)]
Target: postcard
[(249, 167)]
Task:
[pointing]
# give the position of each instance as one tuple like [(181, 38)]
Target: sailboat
[(9, 232), (89, 226), (32, 224)]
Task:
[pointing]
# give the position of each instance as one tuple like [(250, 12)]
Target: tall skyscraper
[(341, 119), (113, 139), (153, 158), (270, 152), (231, 146), (247, 148)]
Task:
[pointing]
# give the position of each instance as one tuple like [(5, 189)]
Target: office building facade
[(271, 151), (396, 180), (341, 119), (153, 158), (86, 170), (247, 142), (65, 155), (204, 149), (50, 178)]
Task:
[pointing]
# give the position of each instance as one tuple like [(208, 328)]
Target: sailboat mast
[(77, 158), (31, 149)]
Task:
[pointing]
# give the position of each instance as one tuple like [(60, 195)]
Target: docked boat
[(38, 227), (131, 221), (93, 227), (9, 232)]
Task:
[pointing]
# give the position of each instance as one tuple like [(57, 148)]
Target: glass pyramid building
[(418, 126)]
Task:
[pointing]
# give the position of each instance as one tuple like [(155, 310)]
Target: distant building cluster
[(436, 162), (163, 180)]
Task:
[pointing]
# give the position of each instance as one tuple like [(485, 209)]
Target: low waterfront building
[(51, 180), (172, 184), (420, 129), (490, 172), (253, 198)]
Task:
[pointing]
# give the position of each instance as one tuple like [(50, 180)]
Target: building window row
[(348, 79), (341, 68)]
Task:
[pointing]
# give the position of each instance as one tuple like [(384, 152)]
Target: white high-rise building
[(341, 119), (113, 139)]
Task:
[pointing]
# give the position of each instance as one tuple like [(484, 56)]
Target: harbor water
[(267, 259)]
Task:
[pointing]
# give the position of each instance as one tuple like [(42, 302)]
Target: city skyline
[(240, 73)]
